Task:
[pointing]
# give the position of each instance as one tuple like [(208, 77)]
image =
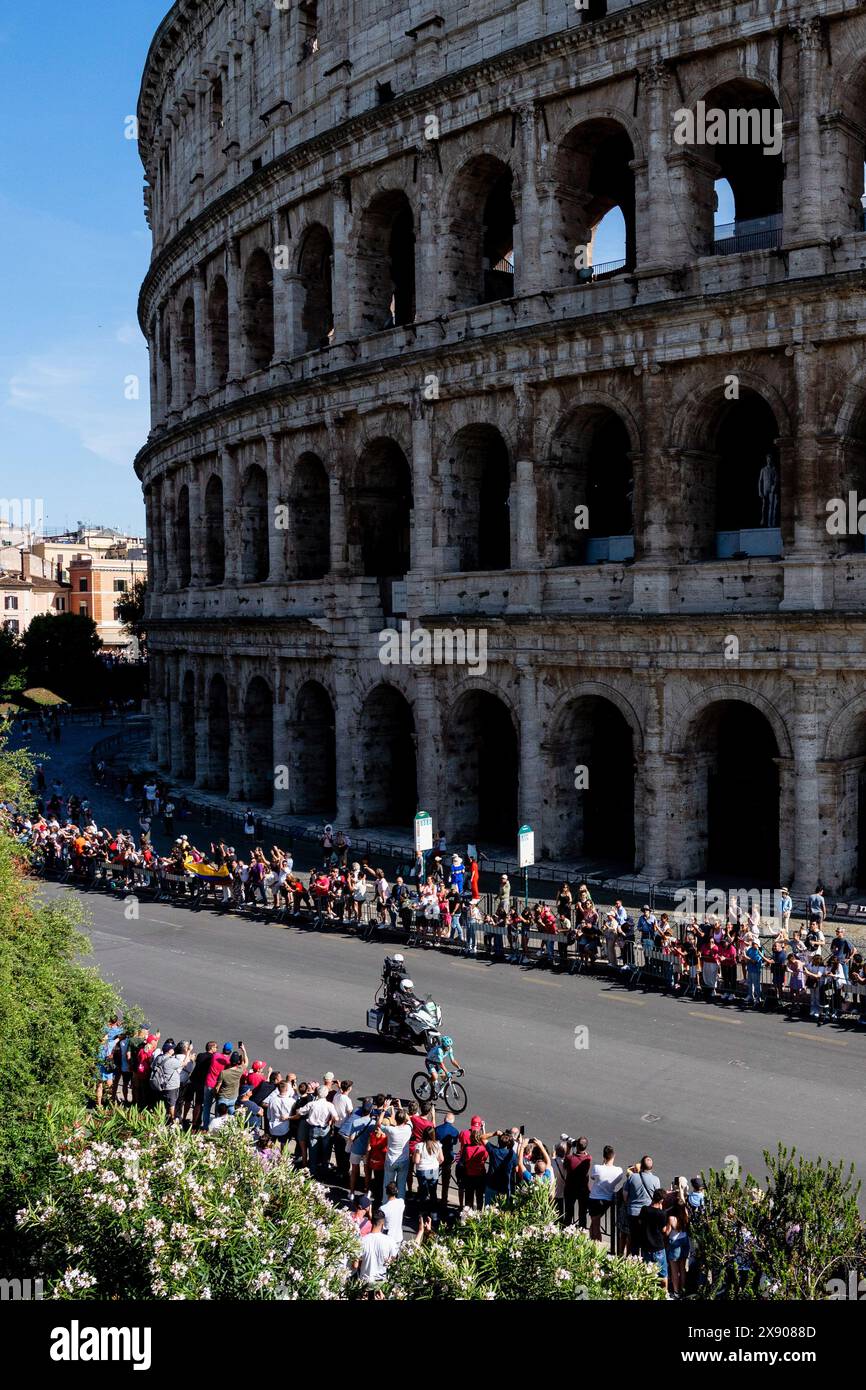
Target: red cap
[(476, 1122), (258, 1066)]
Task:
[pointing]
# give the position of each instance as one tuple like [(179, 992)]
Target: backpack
[(158, 1076)]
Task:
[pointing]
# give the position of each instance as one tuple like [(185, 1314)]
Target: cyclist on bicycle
[(438, 1057)]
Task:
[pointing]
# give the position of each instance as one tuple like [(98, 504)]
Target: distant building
[(98, 582), (59, 550), (25, 592)]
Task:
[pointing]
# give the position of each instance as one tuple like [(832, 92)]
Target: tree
[(11, 655), (786, 1239), (53, 1010), (61, 653), (131, 608)]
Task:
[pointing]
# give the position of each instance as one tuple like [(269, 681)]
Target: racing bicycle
[(445, 1089)]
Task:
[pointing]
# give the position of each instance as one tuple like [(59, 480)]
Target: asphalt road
[(689, 1083)]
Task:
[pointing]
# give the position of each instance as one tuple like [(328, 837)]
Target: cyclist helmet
[(446, 1041)]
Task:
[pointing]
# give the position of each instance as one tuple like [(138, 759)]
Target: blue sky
[(74, 247)]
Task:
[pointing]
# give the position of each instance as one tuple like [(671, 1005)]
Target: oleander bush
[(518, 1252), (140, 1210), (786, 1238)]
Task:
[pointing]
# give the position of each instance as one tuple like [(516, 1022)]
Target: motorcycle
[(420, 1026)]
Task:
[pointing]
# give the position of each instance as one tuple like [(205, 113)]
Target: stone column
[(426, 712), (200, 389), (283, 344), (153, 363), (658, 511), (423, 499), (293, 291), (344, 738), (525, 522), (202, 741), (160, 717), (527, 255), (237, 733), (175, 725), (196, 528), (169, 493), (530, 796), (652, 796), (282, 803), (343, 319), (177, 401), (803, 509), (339, 472), (231, 518), (234, 289), (276, 539), (654, 250), (426, 240), (809, 43)]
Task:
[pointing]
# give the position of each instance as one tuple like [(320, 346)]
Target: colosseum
[(453, 325)]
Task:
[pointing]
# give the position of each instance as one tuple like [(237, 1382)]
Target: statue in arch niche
[(768, 491)]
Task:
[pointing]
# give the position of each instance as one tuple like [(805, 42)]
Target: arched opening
[(182, 538), (187, 350), (214, 532), (218, 333), (258, 312), (591, 780), (310, 511), (255, 546), (586, 511), (258, 743), (477, 512), (218, 733), (743, 136), (381, 514), (595, 201), (386, 263), (314, 752), (734, 491), (388, 790), (731, 796), (315, 267), (482, 761), (187, 727), (478, 259)]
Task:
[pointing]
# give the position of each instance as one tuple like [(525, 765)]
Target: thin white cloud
[(82, 388)]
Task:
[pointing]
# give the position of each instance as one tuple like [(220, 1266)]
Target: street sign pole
[(525, 856), (423, 826)]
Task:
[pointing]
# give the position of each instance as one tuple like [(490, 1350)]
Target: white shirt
[(394, 1209), (376, 1250), (605, 1181), (279, 1109), (318, 1113), (343, 1105), (398, 1141)]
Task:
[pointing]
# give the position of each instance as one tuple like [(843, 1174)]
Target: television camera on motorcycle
[(399, 1013)]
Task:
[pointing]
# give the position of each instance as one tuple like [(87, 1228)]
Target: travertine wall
[(274, 470)]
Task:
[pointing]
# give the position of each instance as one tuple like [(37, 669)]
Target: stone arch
[(218, 732), (593, 174), (478, 264), (387, 787), (255, 525), (728, 791), (725, 490), (218, 333), (586, 493), (313, 750), (257, 741), (380, 510), (258, 311), (591, 757), (677, 738), (316, 271), (842, 773), (309, 506), (482, 761), (385, 262), (214, 531), (475, 515)]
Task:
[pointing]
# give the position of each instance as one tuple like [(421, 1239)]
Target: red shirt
[(221, 1059), (419, 1123), (377, 1149)]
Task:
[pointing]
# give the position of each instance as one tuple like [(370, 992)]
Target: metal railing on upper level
[(758, 234)]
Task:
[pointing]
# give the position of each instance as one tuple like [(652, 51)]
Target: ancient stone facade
[(392, 383)]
